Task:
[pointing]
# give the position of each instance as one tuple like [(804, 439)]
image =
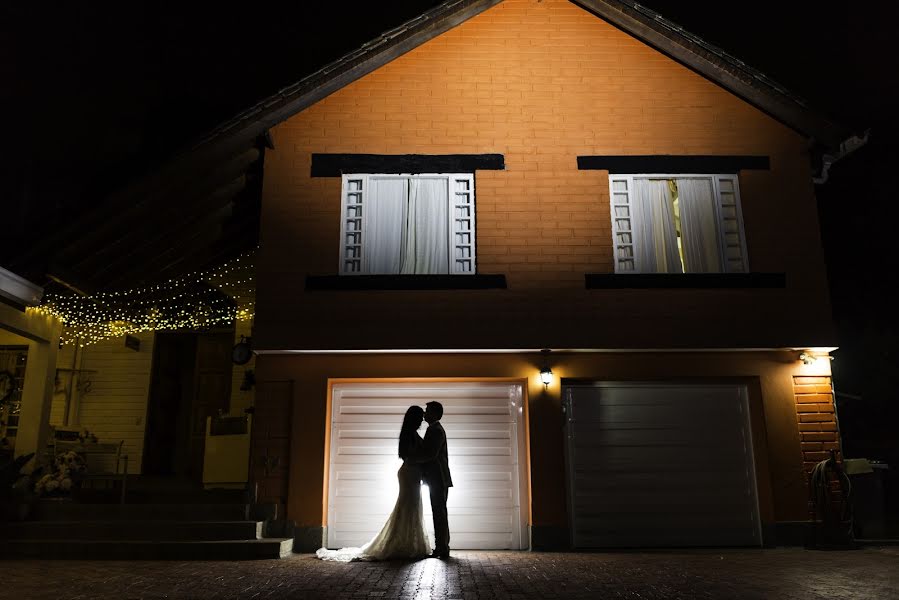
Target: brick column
[(818, 430)]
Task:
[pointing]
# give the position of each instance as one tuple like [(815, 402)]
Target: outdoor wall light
[(808, 358), (546, 374)]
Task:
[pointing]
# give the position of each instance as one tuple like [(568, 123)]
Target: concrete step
[(268, 548), (187, 497), (48, 510), (132, 530)]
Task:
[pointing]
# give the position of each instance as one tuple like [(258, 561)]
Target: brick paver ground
[(788, 574)]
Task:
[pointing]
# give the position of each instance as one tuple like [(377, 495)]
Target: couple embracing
[(424, 460)]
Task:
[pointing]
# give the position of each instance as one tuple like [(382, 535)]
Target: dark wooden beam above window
[(671, 163), (614, 281), (315, 283), (335, 165)]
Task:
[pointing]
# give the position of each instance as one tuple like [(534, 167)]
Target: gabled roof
[(236, 142), (642, 23)]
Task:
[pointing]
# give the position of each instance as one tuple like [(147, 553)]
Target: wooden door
[(172, 385), (270, 444), (212, 391)]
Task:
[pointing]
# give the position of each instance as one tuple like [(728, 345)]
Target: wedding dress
[(403, 535)]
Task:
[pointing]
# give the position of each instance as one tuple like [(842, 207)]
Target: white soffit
[(18, 289)]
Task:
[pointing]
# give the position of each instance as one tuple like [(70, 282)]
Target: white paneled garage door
[(485, 439), (660, 465)]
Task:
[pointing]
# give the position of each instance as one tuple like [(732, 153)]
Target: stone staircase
[(165, 522)]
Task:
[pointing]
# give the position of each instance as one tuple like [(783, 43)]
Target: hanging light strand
[(196, 301)]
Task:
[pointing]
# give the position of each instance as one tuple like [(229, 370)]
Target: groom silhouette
[(436, 473)]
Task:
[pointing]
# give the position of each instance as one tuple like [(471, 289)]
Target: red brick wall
[(818, 429), (817, 419)]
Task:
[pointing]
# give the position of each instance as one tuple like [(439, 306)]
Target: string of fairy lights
[(197, 301)]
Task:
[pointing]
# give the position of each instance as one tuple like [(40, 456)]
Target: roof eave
[(735, 78), (342, 72)]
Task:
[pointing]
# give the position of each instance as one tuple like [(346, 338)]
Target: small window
[(408, 224), (677, 224)]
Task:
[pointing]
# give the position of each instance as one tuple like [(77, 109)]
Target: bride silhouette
[(403, 535)]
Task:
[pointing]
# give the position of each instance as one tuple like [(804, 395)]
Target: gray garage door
[(660, 465)]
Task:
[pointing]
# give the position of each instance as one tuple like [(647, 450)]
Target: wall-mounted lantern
[(546, 374)]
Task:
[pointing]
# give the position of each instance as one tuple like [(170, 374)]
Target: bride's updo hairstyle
[(411, 422)]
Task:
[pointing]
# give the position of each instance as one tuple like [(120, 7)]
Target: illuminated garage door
[(485, 439), (660, 465)]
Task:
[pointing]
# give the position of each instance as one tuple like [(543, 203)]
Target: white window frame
[(716, 179), (460, 195)]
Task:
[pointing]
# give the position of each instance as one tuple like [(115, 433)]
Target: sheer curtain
[(406, 226), (654, 235), (425, 236), (384, 222), (699, 229)]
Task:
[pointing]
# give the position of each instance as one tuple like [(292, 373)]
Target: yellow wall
[(42, 331), (115, 405), (540, 83), (782, 478), (241, 399)]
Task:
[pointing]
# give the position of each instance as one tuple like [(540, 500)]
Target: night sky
[(95, 93)]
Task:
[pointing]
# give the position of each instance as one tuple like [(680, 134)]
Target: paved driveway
[(789, 574)]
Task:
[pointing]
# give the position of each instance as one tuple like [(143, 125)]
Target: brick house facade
[(558, 98)]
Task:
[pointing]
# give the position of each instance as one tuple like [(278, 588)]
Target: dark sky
[(135, 78), (97, 91)]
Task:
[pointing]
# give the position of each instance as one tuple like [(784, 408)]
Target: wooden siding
[(115, 408), (63, 382)]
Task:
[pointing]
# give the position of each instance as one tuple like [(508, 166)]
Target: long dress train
[(403, 535)]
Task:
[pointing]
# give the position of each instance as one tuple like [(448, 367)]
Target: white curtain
[(655, 238), (384, 218), (699, 229), (406, 226), (426, 231)]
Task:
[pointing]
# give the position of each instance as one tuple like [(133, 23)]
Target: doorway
[(190, 380)]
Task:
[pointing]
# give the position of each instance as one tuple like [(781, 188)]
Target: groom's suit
[(436, 473)]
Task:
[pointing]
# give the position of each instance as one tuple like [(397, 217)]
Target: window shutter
[(730, 224), (354, 189), (620, 189), (461, 235)]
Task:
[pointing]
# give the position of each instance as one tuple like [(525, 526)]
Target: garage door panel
[(482, 540), (368, 445), (657, 465), (624, 522), (447, 420), (669, 480), (483, 425), (588, 486), (633, 538), (457, 463), (667, 415), (651, 505), (594, 434), (662, 457), (464, 403)]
